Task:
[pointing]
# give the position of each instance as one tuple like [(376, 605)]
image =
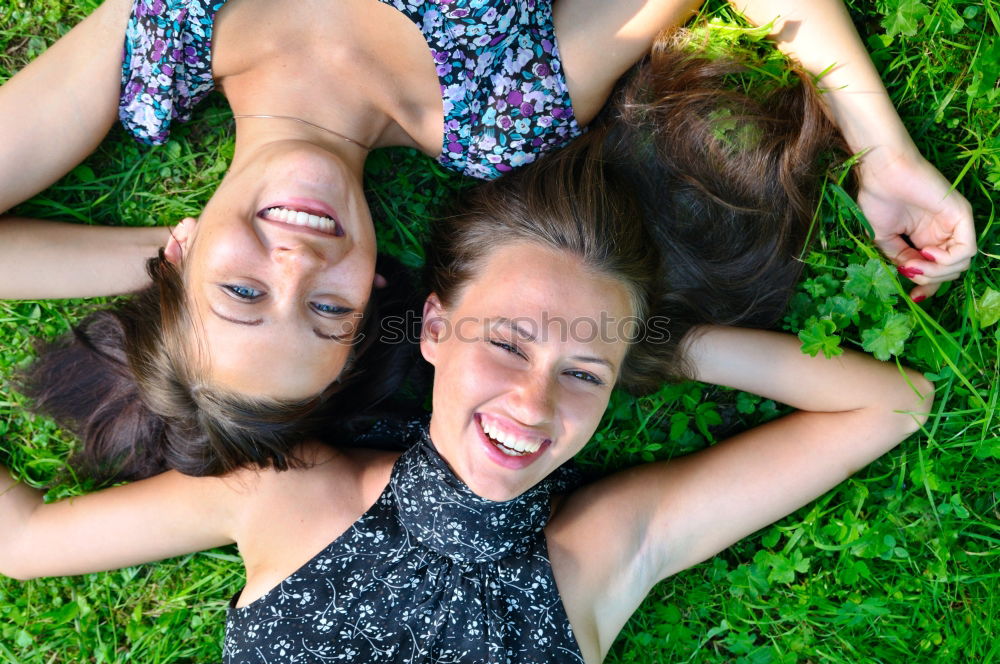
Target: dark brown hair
[(695, 195), (122, 381), (728, 177)]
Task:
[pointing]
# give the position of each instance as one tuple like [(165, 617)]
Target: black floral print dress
[(430, 573)]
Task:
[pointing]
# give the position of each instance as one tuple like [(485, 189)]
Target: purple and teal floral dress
[(505, 97)]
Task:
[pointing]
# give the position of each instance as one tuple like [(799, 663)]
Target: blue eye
[(243, 292), (586, 377), (329, 309)]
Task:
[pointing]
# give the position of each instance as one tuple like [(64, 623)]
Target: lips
[(304, 215), (507, 446)]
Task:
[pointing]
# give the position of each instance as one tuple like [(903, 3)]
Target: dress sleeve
[(167, 65)]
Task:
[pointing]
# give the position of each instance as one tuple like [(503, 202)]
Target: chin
[(496, 491)]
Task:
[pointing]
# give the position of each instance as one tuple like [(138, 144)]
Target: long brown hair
[(695, 195), (729, 177)]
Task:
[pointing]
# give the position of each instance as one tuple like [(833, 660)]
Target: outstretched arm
[(901, 193), (637, 527), (852, 409), (167, 515), (50, 260), (55, 111)]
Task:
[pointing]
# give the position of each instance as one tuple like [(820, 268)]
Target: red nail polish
[(909, 272), (919, 298), (928, 256)]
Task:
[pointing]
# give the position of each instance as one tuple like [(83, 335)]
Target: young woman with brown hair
[(244, 334), (477, 544)]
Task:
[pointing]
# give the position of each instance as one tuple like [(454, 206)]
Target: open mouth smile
[(305, 218), (509, 448)]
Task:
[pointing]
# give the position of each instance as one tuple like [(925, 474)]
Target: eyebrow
[(521, 332), (594, 360), (260, 321)]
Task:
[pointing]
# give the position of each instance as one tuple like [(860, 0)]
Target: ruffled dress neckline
[(444, 515)]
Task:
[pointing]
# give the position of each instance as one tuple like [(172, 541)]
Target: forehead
[(549, 290), (263, 363), (539, 271)]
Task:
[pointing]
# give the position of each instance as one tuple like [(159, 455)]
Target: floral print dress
[(430, 573), (505, 97)]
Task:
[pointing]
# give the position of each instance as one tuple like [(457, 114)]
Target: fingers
[(921, 293), (951, 240), (955, 256), (928, 267), (928, 275)]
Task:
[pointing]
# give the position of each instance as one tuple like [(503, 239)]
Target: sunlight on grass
[(899, 564)]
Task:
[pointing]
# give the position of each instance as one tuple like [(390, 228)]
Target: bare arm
[(901, 193), (600, 40), (634, 528), (51, 260), (852, 409), (57, 109), (167, 515), (53, 113)]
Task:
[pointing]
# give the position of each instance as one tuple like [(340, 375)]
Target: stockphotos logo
[(605, 329)]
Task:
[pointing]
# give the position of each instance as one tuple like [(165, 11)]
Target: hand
[(902, 194)]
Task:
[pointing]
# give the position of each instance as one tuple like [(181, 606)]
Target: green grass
[(899, 564)]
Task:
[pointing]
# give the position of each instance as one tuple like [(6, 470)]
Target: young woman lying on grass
[(477, 544), (253, 308)]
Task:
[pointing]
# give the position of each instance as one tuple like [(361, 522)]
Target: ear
[(180, 240), (432, 328), (380, 281)]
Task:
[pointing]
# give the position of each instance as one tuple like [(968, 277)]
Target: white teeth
[(510, 443), (287, 216)]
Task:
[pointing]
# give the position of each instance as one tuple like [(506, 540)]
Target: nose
[(533, 402), (298, 256)]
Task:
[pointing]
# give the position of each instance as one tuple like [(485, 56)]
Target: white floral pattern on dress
[(430, 573)]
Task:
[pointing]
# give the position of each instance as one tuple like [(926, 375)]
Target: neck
[(351, 86), (254, 133)]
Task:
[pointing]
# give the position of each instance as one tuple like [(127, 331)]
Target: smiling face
[(522, 370), (278, 271)]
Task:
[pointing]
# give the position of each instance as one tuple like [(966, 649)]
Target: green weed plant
[(898, 564)]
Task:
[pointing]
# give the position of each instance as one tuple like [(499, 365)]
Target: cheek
[(581, 414), (467, 373), (226, 252), (354, 277)]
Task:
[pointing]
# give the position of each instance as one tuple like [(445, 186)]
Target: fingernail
[(919, 298), (928, 256), (909, 272)]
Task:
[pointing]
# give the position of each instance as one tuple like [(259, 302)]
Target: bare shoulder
[(326, 475), (600, 40), (294, 514)]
